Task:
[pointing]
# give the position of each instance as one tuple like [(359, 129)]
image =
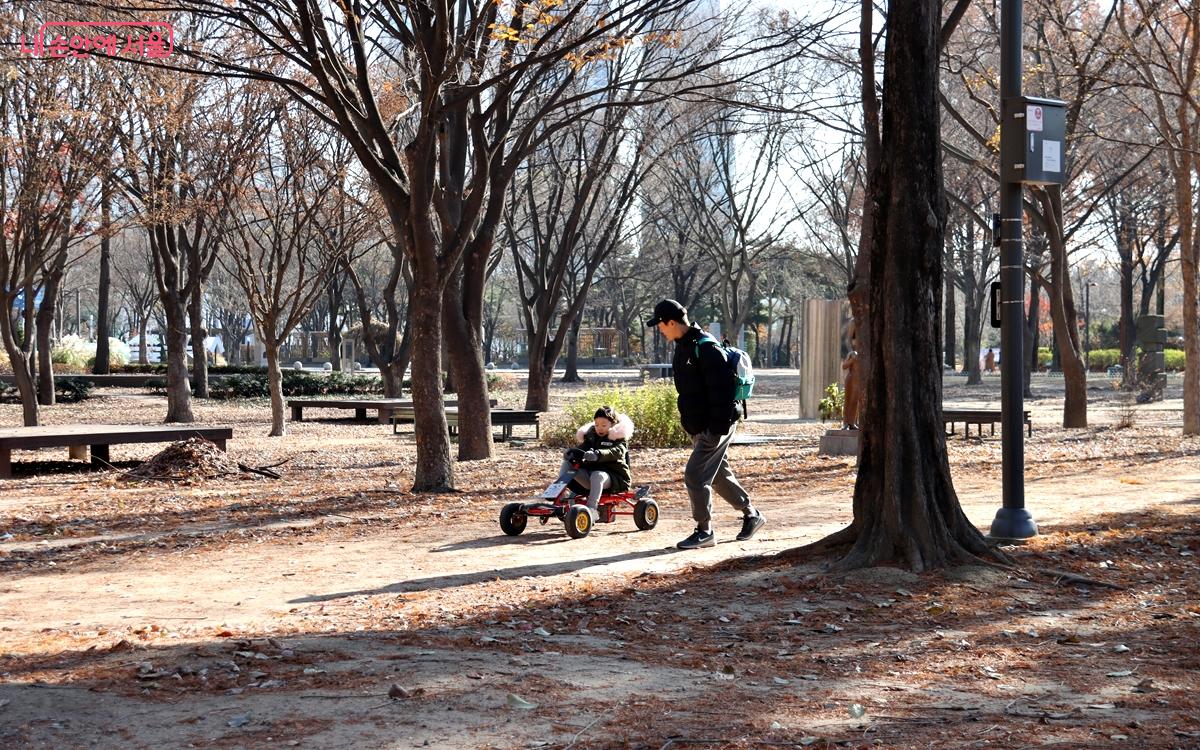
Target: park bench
[(660, 370), (385, 406), (978, 417), (79, 438), (503, 418)]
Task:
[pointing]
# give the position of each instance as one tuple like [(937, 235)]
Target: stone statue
[(852, 399)]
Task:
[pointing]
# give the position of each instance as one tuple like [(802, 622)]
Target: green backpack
[(739, 367)]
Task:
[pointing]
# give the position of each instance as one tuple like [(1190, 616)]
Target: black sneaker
[(751, 524), (698, 539)]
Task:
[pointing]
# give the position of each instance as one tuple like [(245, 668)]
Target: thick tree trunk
[(392, 375), (950, 325), (199, 354), (463, 338), (859, 291), (1189, 247), (537, 391), (1062, 312), (971, 337), (275, 387), (45, 369), (101, 364), (1126, 331), (434, 470), (1032, 339), (905, 507), (179, 390), (571, 374), (143, 354), (19, 359)]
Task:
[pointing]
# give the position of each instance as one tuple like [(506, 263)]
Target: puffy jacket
[(613, 450), (705, 384)]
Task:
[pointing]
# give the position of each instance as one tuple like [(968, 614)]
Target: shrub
[(651, 407), (255, 384), (832, 405), (72, 353), (1176, 359), (118, 354), (139, 369), (72, 390), (4, 364), (1100, 360), (1045, 357)]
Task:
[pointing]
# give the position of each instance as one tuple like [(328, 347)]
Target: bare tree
[(184, 147), (44, 172), (1163, 39), (133, 268), (905, 506), (431, 99), (282, 263)]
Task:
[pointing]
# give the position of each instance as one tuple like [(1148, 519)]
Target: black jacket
[(614, 455), (706, 386)]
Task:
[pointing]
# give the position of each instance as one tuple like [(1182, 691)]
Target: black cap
[(666, 310)]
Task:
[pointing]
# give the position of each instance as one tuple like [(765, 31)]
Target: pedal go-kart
[(558, 501)]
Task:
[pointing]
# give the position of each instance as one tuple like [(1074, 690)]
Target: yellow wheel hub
[(583, 521)]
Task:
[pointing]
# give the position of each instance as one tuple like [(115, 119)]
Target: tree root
[(834, 544)]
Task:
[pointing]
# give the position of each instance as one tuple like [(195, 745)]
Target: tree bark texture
[(199, 355), (275, 387), (950, 323), (434, 470), (179, 389), (905, 507), (101, 364), (1062, 312), (463, 329)]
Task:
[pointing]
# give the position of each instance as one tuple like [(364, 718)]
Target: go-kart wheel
[(579, 522), (645, 514), (513, 519)]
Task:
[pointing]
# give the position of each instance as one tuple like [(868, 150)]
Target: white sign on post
[(1051, 156)]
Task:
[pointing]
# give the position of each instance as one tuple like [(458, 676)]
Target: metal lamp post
[(1032, 133)]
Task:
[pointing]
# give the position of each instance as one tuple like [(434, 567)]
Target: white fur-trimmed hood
[(622, 430)]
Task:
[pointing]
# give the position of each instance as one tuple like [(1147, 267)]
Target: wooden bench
[(503, 418), (385, 406), (978, 417), (97, 437)]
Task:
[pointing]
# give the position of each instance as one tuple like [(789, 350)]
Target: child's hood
[(622, 430)]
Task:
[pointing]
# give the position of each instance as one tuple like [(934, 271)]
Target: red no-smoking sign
[(1033, 119)]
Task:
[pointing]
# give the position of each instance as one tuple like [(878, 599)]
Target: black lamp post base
[(1013, 523)]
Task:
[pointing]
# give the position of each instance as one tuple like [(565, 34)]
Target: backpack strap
[(705, 336)]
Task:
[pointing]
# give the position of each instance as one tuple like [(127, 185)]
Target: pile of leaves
[(194, 458)]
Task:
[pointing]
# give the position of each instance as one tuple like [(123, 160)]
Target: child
[(602, 455)]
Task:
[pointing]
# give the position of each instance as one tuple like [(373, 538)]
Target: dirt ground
[(333, 608)]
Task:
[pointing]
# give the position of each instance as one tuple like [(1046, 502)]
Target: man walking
[(707, 409)]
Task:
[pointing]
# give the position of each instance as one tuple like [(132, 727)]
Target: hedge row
[(295, 383), (66, 391)]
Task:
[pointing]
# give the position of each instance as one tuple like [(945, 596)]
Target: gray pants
[(593, 481), (707, 470)]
